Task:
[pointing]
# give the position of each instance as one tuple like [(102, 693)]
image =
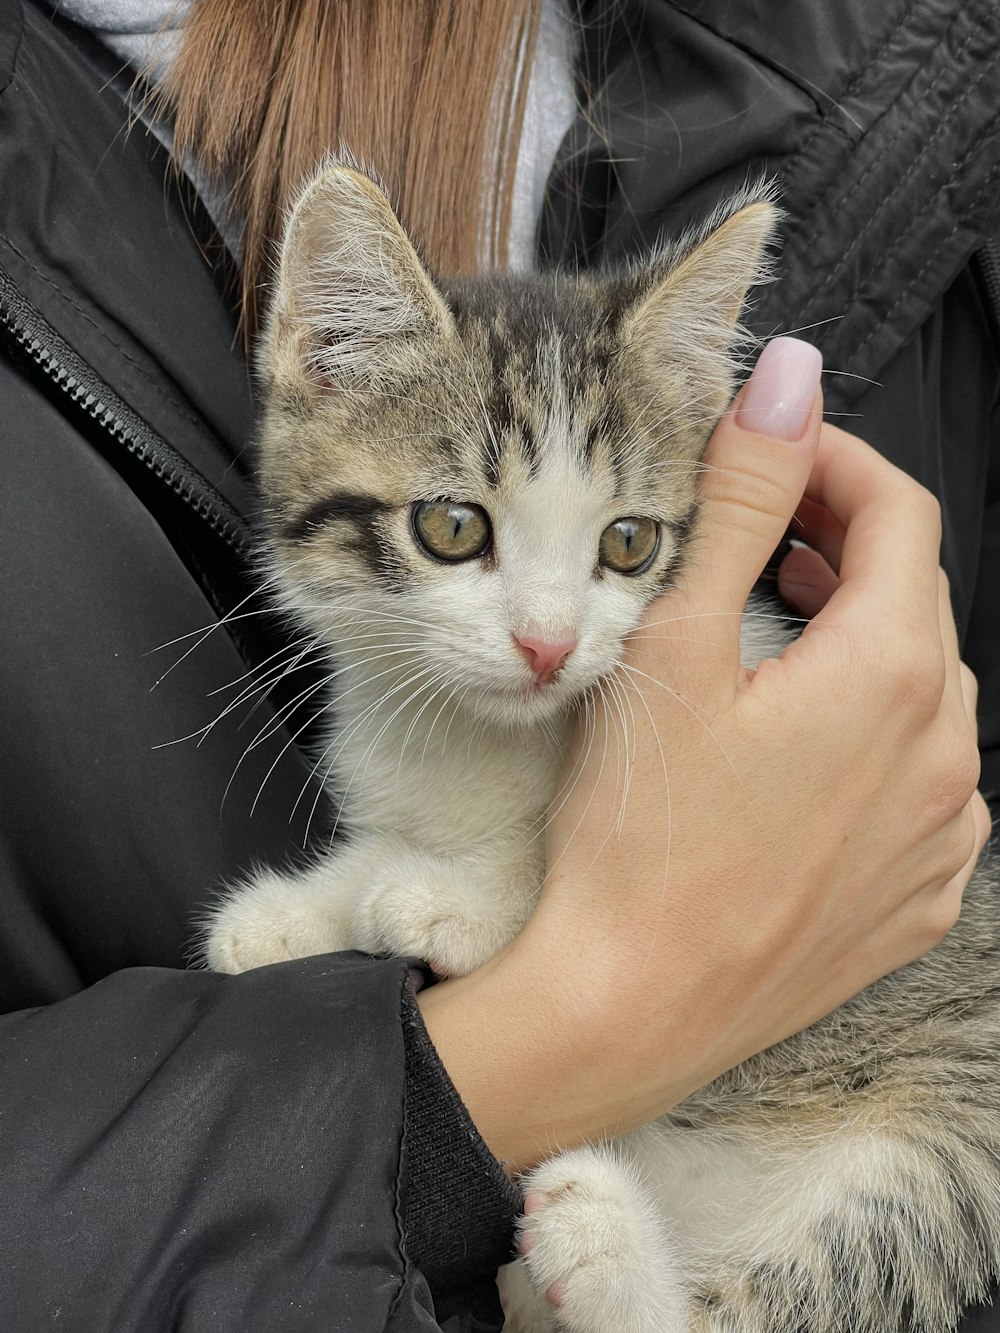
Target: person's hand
[(788, 835)]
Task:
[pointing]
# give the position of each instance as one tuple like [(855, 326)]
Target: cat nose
[(545, 656)]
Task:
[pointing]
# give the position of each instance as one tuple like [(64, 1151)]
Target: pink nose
[(544, 656)]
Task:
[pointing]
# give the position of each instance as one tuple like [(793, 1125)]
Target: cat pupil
[(450, 530), (630, 545)]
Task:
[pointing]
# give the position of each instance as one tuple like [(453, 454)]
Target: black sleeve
[(189, 1151)]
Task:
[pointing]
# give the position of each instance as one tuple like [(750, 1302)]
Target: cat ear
[(353, 303), (685, 326)]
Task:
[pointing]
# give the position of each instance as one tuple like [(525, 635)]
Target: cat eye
[(450, 530), (629, 545)]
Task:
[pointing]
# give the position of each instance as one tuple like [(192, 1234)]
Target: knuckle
[(963, 844), (947, 905), (750, 501), (970, 682), (969, 769), (917, 675), (951, 863), (943, 912), (926, 509), (958, 775)]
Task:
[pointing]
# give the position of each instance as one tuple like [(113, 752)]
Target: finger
[(949, 643), (982, 827), (946, 617), (756, 467), (806, 581), (816, 526), (970, 696), (934, 909), (892, 532)]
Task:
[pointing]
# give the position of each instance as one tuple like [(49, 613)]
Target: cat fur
[(844, 1181)]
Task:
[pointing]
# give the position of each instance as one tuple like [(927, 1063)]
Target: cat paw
[(449, 926), (594, 1250), (270, 921)]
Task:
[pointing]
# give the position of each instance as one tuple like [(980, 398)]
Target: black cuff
[(460, 1205)]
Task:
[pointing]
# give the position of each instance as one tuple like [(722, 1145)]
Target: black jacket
[(281, 1150)]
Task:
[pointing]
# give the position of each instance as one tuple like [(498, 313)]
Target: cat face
[(478, 486)]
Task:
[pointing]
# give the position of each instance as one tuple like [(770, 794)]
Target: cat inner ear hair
[(686, 324), (354, 308)]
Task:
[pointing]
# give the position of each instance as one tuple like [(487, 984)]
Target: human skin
[(790, 834)]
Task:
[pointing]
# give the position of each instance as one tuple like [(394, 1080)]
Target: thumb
[(756, 467)]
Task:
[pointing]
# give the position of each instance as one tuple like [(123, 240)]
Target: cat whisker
[(273, 724), (566, 787), (280, 715), (293, 737), (622, 774), (445, 682), (849, 374), (368, 754), (630, 751), (457, 704), (202, 636), (802, 328), (204, 629), (265, 665), (273, 677), (581, 764), (635, 671), (340, 740), (263, 689), (610, 688), (669, 813)]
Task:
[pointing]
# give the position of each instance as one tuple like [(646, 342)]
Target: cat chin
[(515, 706)]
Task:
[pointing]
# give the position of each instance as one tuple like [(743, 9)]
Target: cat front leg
[(453, 912), (377, 893), (597, 1257), (276, 915)]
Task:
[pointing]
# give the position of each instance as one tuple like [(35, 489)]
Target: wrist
[(459, 1205), (545, 1055), (508, 1049)]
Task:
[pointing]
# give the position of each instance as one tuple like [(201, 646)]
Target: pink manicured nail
[(780, 392), (555, 1294)]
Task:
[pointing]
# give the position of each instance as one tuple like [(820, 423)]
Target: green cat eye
[(629, 544), (450, 530)]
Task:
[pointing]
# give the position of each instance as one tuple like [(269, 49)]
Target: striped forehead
[(550, 494), (541, 423)]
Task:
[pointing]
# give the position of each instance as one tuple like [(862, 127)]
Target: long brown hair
[(430, 93)]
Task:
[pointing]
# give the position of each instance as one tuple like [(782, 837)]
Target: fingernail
[(780, 392)]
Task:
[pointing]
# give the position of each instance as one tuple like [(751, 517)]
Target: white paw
[(434, 914), (271, 920), (594, 1248)]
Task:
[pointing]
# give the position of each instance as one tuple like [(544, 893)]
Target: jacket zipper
[(60, 365)]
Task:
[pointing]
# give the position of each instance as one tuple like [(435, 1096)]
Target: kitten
[(476, 488)]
